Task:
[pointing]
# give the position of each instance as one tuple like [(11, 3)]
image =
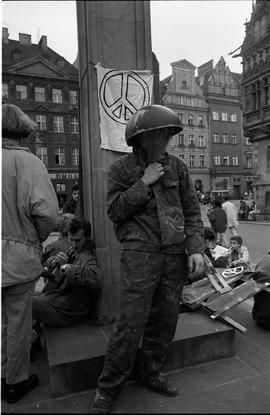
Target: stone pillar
[(116, 34)]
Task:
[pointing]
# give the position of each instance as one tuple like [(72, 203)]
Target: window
[(201, 141), (266, 90), (248, 143), (233, 118), (75, 156), (184, 84), (190, 119), (181, 117), (249, 161), (234, 160), (74, 124), (58, 124), (21, 92), (225, 138), (224, 116), (60, 187), (268, 158), (41, 122), (216, 138), (255, 95), (217, 160), (200, 120), (190, 101), (4, 90), (226, 160), (179, 140), (202, 160), (39, 94), (182, 156), (234, 139), (57, 96), (59, 155), (191, 160), (215, 115), (73, 97), (42, 154), (191, 139)]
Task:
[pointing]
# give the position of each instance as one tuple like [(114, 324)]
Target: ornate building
[(45, 86), (255, 52), (228, 167), (181, 93)]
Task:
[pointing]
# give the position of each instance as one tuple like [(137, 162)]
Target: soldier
[(156, 215)]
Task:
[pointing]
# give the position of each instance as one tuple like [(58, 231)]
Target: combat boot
[(160, 384), (102, 404)]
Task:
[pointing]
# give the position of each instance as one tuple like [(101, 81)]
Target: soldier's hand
[(61, 258), (152, 173), (195, 265)]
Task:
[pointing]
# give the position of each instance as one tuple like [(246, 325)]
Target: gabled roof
[(38, 66), (31, 51), (183, 63)]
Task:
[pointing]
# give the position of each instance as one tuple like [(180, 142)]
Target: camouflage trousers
[(150, 290)]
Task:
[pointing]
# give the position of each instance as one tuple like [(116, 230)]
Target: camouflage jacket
[(164, 217)]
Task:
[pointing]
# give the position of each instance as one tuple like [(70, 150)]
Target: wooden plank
[(234, 297), (226, 319)]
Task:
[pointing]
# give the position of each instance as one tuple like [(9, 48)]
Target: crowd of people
[(156, 215)]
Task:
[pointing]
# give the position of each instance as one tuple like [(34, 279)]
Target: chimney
[(25, 39), (5, 34), (43, 42)]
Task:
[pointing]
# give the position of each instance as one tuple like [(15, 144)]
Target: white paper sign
[(120, 93)]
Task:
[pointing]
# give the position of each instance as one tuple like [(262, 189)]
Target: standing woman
[(29, 214)]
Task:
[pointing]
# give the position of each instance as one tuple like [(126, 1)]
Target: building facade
[(228, 167), (181, 93), (255, 52), (45, 86)]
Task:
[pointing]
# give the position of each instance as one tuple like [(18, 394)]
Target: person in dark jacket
[(218, 220), (77, 277), (156, 215), (71, 205), (261, 305)]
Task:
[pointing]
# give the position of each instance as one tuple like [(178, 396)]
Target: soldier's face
[(154, 143)]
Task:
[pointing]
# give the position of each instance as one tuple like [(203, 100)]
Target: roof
[(28, 52)]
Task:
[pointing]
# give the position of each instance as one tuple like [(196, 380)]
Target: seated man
[(216, 253), (261, 306), (239, 255), (77, 279)]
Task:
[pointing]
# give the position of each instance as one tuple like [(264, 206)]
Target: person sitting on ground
[(218, 220), (239, 255), (252, 211), (261, 306), (71, 205), (78, 281), (216, 253)]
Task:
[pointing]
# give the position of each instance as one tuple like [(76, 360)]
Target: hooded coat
[(29, 213)]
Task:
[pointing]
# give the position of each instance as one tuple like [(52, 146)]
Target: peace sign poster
[(120, 94)]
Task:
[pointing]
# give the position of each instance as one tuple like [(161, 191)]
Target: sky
[(195, 30)]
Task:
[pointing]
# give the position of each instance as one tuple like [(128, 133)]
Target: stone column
[(116, 34)]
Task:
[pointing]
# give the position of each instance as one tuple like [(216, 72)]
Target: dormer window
[(16, 54), (184, 84)]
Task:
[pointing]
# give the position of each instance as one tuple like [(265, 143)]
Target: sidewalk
[(240, 384)]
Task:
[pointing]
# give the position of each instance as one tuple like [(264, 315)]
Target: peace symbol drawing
[(122, 93)]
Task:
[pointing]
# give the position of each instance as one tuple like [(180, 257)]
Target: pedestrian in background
[(231, 212), (156, 215), (218, 220), (29, 214), (71, 205)]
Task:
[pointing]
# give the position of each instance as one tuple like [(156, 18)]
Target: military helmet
[(152, 117)]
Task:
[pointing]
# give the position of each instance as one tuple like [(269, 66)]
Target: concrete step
[(76, 354)]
